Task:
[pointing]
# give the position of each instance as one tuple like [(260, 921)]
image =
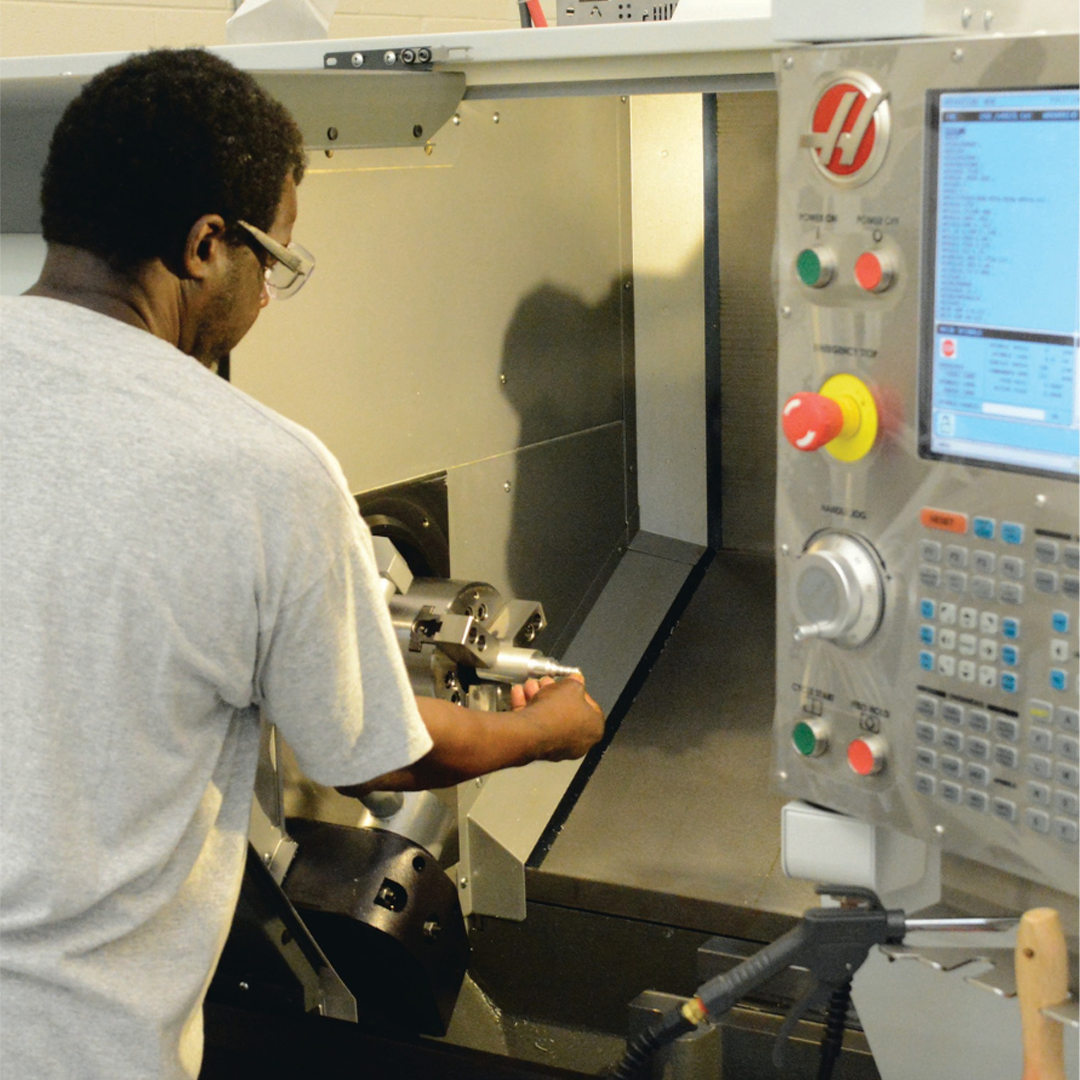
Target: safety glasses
[(292, 264)]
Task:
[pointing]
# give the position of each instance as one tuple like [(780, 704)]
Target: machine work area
[(732, 361)]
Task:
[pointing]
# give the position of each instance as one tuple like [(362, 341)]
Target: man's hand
[(563, 712)]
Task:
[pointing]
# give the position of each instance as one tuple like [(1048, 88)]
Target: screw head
[(506, 486), (357, 59), (389, 57), (332, 133), (495, 118)]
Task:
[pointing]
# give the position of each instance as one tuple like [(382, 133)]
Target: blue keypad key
[(1060, 622), (1012, 533), (1009, 655), (927, 609), (984, 528), (1058, 679), (1008, 682), (926, 661), (1010, 628), (926, 635)]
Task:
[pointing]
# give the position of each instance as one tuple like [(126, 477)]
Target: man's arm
[(550, 721)]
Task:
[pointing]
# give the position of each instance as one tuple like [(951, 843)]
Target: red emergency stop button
[(811, 420), (874, 271), (867, 755)]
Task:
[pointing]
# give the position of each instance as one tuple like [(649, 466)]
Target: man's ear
[(204, 247)]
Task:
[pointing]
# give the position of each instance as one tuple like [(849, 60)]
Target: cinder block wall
[(48, 27)]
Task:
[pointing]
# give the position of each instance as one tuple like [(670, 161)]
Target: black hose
[(523, 11), (832, 1042)]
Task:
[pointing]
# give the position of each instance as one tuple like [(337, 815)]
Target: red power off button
[(874, 271), (867, 755)]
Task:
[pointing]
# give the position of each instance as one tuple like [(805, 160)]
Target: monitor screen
[(1002, 280)]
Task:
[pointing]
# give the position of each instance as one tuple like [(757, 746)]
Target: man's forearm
[(561, 721)]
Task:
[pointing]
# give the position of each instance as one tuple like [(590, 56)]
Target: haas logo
[(849, 130)]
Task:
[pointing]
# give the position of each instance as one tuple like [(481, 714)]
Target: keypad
[(997, 643)]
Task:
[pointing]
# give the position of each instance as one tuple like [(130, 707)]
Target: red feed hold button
[(811, 420), (866, 756), (873, 271)]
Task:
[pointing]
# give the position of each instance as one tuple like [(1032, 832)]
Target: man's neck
[(145, 297)]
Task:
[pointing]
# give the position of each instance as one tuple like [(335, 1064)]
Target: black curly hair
[(156, 141)]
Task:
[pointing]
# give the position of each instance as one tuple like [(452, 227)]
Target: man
[(177, 559)]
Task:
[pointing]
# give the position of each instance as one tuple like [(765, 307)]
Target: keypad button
[(1045, 581), (1067, 747), (975, 800), (952, 713), (1041, 739), (1066, 775), (956, 557), (925, 732), (952, 792), (1059, 622), (1039, 712), (1039, 820), (929, 576), (952, 766), (969, 618), (1012, 567), (982, 588), (1037, 793), (1068, 719), (1010, 682), (1064, 830), (988, 622), (988, 650), (978, 749), (979, 720), (1006, 728), (925, 758), (1065, 802), (984, 528), (1059, 679), (965, 669), (951, 739), (1046, 551), (1010, 654), (1039, 766), (1004, 808), (969, 644), (926, 660), (930, 551), (1071, 556), (926, 705), (1059, 649), (1006, 756), (1010, 628), (947, 640), (1012, 532), (987, 676), (946, 665), (956, 581), (927, 608), (1011, 593), (925, 784), (927, 634), (947, 614), (983, 562), (977, 774), (1070, 586)]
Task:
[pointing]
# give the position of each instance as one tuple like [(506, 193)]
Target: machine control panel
[(928, 523)]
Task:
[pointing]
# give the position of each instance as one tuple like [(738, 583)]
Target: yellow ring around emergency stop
[(860, 442)]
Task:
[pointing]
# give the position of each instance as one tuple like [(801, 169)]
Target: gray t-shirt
[(175, 558)]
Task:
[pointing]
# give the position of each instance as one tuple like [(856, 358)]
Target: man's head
[(154, 143)]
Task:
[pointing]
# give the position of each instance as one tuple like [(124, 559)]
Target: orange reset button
[(945, 520)]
